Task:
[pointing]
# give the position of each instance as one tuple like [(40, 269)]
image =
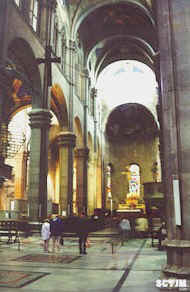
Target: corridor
[(108, 266)]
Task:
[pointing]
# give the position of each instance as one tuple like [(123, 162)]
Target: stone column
[(85, 83), (4, 16), (66, 142), (159, 112), (94, 98), (174, 40), (71, 58), (45, 7), (82, 173), (38, 168)]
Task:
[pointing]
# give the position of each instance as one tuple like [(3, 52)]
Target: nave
[(135, 266)]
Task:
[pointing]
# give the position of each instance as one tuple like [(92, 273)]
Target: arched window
[(134, 179), (108, 181), (63, 53), (18, 3), (34, 12), (55, 35)]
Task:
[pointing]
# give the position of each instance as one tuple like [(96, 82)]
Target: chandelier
[(10, 143)]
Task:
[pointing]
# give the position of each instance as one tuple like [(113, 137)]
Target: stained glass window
[(134, 179), (108, 184)]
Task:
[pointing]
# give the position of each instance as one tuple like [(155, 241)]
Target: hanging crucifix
[(48, 60)]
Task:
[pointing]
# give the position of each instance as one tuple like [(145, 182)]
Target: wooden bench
[(10, 230)]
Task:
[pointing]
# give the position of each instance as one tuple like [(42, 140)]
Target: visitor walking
[(56, 228), (45, 234), (83, 233), (125, 229)]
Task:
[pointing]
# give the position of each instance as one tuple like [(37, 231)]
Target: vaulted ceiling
[(111, 31), (119, 30)]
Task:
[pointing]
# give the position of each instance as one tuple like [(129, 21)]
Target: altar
[(127, 208), (125, 211), (132, 208), (132, 204)]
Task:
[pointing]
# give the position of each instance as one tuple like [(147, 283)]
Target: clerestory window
[(18, 3), (63, 53), (34, 12), (55, 35)]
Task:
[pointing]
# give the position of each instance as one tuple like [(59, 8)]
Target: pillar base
[(178, 255), (177, 271), (172, 283), (20, 206)]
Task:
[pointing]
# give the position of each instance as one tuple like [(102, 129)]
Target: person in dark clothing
[(82, 233), (162, 234), (56, 228)]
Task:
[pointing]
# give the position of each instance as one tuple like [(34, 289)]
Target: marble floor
[(108, 266)]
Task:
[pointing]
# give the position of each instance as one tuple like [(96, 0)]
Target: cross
[(48, 60)]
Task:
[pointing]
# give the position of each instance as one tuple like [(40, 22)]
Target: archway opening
[(128, 81), (128, 96)]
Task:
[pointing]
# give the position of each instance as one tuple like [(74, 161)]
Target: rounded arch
[(82, 14), (17, 110), (118, 79), (78, 132), (135, 49), (22, 63), (17, 154), (19, 126), (119, 20), (131, 120), (59, 105)]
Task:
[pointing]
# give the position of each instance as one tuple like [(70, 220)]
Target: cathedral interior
[(94, 114)]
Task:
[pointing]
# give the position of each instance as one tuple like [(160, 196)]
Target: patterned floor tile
[(18, 279)]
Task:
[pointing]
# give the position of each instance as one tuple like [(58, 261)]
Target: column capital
[(40, 118), (82, 152), (66, 139)]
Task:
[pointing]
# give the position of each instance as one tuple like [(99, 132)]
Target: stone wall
[(142, 152)]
